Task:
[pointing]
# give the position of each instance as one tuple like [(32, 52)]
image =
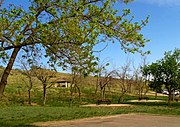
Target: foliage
[(154, 70), (65, 32), (61, 27), (165, 72)]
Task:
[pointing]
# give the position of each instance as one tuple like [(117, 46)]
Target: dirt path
[(105, 105), (124, 120)]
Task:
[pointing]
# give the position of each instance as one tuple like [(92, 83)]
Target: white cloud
[(162, 2)]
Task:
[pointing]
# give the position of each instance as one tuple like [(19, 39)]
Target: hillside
[(18, 84)]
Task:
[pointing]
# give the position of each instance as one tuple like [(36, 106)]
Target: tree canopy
[(58, 29), (165, 71)]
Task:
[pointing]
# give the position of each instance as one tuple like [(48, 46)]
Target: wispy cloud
[(162, 2)]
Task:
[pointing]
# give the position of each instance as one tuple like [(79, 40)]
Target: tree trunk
[(29, 91), (139, 91), (44, 94), (102, 97), (7, 71), (130, 88), (97, 84), (29, 97), (104, 90), (169, 98), (102, 93), (79, 92), (121, 97), (156, 94)]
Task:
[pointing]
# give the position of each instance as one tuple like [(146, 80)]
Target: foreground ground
[(15, 111), (21, 116), (124, 120)]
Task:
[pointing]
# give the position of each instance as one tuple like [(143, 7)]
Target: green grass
[(25, 115), (14, 112)]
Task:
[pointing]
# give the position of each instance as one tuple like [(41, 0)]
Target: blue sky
[(163, 30)]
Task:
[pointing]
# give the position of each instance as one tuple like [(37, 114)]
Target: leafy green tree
[(153, 69), (166, 72), (55, 28)]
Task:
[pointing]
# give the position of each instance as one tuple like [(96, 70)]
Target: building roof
[(60, 80)]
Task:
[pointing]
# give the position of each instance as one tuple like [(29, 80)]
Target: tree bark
[(29, 96), (44, 94), (7, 71), (169, 98), (29, 91), (79, 92), (97, 84), (156, 94), (102, 93), (121, 97)]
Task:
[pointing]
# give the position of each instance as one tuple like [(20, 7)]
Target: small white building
[(61, 83)]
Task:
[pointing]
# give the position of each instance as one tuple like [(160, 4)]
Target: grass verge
[(20, 116)]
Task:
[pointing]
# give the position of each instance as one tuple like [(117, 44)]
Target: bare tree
[(76, 79), (124, 80), (103, 78), (44, 75), (103, 82), (29, 74), (140, 81), (145, 77)]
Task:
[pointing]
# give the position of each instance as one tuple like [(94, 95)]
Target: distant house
[(61, 83)]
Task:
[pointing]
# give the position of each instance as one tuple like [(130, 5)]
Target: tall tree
[(55, 26), (154, 70), (170, 66), (166, 72)]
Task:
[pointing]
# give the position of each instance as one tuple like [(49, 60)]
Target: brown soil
[(124, 120)]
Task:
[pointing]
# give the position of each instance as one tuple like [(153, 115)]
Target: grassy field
[(14, 110), (25, 115)]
